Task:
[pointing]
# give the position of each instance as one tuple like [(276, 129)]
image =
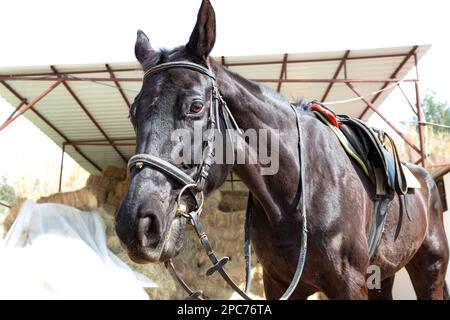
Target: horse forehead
[(172, 83)]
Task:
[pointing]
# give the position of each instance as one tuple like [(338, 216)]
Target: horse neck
[(258, 107), (254, 106)]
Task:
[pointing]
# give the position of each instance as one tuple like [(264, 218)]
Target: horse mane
[(160, 56), (303, 104)]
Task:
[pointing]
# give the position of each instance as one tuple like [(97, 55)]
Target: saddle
[(369, 148)]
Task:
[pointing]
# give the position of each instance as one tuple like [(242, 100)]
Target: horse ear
[(203, 36), (142, 48)]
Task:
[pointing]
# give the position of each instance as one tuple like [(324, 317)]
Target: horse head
[(172, 99)]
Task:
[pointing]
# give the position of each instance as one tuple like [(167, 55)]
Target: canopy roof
[(88, 112)]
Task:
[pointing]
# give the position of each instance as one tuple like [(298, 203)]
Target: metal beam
[(336, 74), (31, 74), (421, 117), (66, 78), (46, 121), (5, 205), (407, 99), (393, 75), (101, 144), (240, 64), (63, 149), (86, 111), (31, 104), (345, 69), (20, 105), (109, 79), (374, 109), (440, 165), (101, 140), (283, 72), (122, 93), (228, 64)]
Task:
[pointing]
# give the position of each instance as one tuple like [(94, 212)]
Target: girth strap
[(378, 222)]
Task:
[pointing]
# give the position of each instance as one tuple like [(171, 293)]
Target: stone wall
[(223, 219)]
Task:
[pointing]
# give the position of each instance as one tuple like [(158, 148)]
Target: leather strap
[(378, 222), (162, 165), (301, 207), (179, 64), (247, 243)]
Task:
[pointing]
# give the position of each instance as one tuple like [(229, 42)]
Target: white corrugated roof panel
[(107, 106)]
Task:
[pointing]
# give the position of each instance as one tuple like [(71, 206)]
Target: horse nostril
[(148, 232)]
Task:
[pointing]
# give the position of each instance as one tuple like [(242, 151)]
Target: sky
[(69, 32)]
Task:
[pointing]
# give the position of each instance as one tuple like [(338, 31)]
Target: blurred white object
[(53, 251)]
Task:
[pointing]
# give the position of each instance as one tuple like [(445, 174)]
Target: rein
[(218, 111)]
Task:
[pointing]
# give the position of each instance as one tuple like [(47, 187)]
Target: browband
[(179, 64)]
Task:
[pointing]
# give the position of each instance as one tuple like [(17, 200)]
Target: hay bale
[(82, 199), (233, 200), (12, 215), (115, 173), (104, 194), (109, 188), (115, 196)]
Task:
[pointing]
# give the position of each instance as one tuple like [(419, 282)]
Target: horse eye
[(196, 107)]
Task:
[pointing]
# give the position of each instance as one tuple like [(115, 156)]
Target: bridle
[(218, 113)]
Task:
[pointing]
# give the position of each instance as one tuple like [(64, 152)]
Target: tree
[(436, 111), (7, 193)]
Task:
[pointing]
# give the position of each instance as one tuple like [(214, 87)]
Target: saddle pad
[(411, 180)]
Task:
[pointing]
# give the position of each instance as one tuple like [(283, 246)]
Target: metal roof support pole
[(75, 142), (440, 165), (63, 148), (342, 64), (345, 69), (421, 118), (62, 135), (374, 109), (31, 104), (29, 74), (393, 75), (17, 109), (83, 107), (283, 73), (119, 87), (99, 144), (5, 205), (380, 56), (407, 99)]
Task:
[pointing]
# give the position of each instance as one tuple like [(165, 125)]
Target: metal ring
[(199, 209)]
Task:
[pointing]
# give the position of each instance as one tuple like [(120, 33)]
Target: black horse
[(338, 197)]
